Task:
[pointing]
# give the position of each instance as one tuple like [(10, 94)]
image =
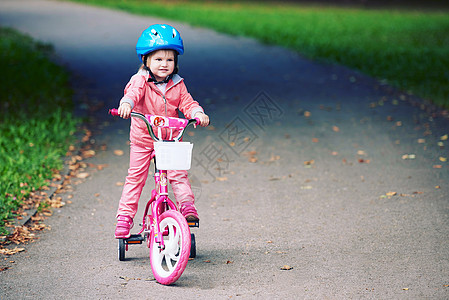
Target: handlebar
[(161, 122)]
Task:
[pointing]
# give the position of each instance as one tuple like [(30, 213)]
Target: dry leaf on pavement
[(88, 153), (118, 152), (82, 175), (5, 251)]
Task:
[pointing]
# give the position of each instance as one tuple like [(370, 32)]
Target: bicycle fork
[(161, 204)]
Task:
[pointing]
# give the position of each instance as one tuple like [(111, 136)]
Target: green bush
[(36, 120)]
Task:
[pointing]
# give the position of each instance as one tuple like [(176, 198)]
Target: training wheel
[(121, 249), (192, 246)]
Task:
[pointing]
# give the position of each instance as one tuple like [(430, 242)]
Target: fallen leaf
[(361, 152), (253, 159), (126, 278), (408, 156), (274, 157), (118, 152), (390, 194), (82, 175), (335, 128), (119, 183), (88, 153), (421, 141), (309, 162), (307, 114), (229, 262), (315, 140), (443, 159), (222, 178), (101, 167), (444, 137), (11, 251), (286, 267), (437, 166)]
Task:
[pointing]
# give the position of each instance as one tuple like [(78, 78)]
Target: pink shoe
[(124, 224), (188, 210)]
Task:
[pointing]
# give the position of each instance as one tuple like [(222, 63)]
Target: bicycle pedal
[(193, 223), (134, 239)]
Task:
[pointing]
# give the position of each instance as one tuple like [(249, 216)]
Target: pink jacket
[(144, 97)]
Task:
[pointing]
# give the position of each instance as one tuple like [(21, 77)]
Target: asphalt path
[(308, 167)]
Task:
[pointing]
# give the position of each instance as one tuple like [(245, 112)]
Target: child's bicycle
[(165, 230)]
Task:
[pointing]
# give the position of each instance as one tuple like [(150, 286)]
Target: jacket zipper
[(163, 95), (165, 102)]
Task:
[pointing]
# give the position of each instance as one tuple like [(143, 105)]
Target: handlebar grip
[(197, 121), (113, 112)]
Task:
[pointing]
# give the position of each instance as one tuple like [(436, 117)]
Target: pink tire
[(168, 264)]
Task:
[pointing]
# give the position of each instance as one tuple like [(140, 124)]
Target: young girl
[(155, 89)]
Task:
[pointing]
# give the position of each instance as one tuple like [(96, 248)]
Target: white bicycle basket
[(173, 155)]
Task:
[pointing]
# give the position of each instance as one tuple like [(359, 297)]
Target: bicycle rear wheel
[(168, 264)]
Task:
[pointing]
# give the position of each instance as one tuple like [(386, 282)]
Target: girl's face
[(161, 63)]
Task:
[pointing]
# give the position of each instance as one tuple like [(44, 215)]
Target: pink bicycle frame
[(159, 195)]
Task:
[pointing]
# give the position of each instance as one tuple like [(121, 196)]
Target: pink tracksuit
[(146, 98)]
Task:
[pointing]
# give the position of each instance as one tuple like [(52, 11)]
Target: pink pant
[(139, 165)]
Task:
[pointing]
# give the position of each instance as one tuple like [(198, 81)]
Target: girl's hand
[(124, 110), (204, 119)]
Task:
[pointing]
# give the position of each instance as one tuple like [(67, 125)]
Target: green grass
[(36, 123), (409, 49)]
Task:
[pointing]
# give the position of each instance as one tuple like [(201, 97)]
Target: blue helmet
[(158, 37)]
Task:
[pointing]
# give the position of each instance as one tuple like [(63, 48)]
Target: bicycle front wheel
[(168, 264)]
